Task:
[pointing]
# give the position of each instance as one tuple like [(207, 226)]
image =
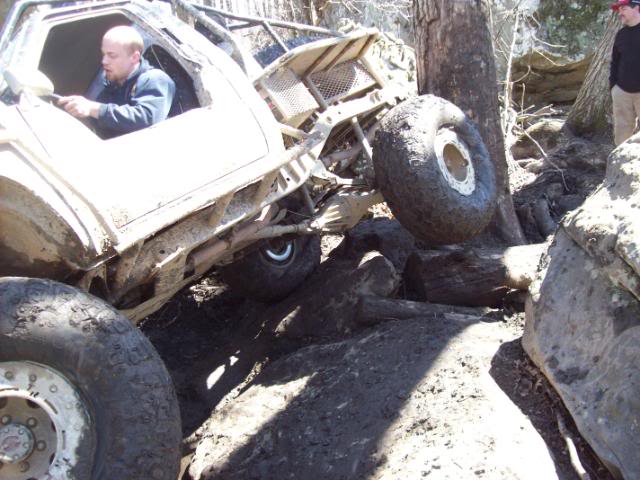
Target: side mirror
[(34, 81)]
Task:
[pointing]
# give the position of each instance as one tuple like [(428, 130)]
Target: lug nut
[(41, 445), (32, 422), (32, 378), (9, 375), (5, 419), (24, 466), (53, 389)]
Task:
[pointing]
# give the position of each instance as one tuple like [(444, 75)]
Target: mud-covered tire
[(128, 419), (434, 170), (270, 273)]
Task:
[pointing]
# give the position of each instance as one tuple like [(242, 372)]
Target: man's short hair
[(126, 36)]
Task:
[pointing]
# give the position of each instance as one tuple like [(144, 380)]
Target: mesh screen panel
[(290, 95), (342, 80)]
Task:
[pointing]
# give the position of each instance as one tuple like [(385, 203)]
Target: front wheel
[(83, 393), (275, 269), (434, 170)]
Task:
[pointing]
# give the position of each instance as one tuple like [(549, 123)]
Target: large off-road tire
[(275, 269), (83, 394), (434, 170)]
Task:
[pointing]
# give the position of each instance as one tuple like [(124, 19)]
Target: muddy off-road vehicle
[(253, 165)]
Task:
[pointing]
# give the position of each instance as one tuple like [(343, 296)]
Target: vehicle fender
[(40, 233)]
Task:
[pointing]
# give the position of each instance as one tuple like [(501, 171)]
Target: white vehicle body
[(155, 209)]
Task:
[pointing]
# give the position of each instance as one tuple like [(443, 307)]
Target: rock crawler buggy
[(253, 165)]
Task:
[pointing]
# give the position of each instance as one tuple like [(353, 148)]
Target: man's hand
[(79, 107)]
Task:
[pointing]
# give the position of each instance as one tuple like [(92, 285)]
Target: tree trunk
[(591, 112), (472, 277), (454, 58)]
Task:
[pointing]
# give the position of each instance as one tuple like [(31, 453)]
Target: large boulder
[(545, 78), (583, 314), (544, 135), (553, 49)]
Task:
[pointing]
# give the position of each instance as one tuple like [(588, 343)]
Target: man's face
[(629, 15), (117, 61)]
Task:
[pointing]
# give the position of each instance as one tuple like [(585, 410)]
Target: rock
[(547, 78), (384, 235), (555, 191), (327, 304), (583, 314), (546, 132), (581, 154), (607, 226), (528, 222), (535, 166), (546, 225), (405, 400), (523, 162), (567, 203)]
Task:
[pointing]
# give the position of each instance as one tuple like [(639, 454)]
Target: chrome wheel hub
[(454, 162), (42, 422), (281, 254), (16, 443)]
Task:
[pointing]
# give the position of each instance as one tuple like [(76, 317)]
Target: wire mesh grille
[(290, 95), (342, 80)]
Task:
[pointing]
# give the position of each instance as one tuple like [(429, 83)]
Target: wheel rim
[(454, 161), (42, 422), (279, 251)]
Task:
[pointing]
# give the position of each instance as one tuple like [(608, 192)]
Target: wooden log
[(472, 277), (373, 309)]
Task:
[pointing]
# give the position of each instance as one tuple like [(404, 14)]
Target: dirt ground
[(196, 338), (210, 339)]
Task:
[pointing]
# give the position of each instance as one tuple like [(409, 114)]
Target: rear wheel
[(434, 170), (275, 269), (83, 394)]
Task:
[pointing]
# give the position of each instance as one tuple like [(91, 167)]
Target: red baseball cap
[(621, 3)]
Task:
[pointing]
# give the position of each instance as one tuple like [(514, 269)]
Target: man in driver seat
[(135, 95)]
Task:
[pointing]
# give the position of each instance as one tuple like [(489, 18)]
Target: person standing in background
[(624, 78)]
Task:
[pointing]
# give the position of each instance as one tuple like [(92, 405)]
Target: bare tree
[(591, 111), (294, 10), (455, 60)]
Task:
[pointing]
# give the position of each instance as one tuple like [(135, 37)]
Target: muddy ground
[(211, 341)]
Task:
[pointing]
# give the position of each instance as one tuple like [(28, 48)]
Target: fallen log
[(472, 277), (373, 309)]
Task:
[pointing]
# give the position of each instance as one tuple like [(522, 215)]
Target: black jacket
[(143, 100), (625, 60)]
